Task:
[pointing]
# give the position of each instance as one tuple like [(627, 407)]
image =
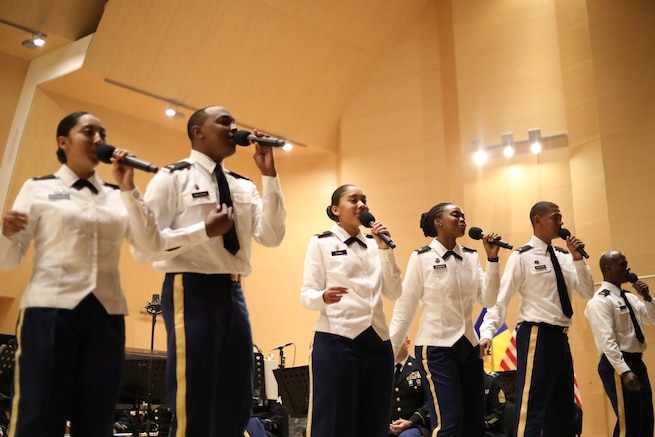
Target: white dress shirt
[(614, 332), (77, 237), (446, 291), (530, 273), (181, 199), (368, 273)]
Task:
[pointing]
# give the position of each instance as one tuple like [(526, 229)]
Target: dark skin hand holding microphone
[(446, 279)]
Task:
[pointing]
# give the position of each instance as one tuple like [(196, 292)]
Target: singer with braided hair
[(346, 274), (446, 279)]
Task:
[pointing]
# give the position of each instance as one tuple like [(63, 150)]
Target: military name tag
[(339, 252), (59, 196), (200, 194)]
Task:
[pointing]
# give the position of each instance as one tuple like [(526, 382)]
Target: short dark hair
[(336, 196), (541, 208), (196, 119), (63, 130), (427, 219)]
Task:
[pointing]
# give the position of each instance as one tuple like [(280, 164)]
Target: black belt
[(558, 328), (632, 354), (233, 277)]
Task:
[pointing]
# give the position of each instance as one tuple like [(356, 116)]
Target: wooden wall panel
[(12, 71)]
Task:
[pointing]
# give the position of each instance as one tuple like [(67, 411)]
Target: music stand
[(138, 369), (293, 385)]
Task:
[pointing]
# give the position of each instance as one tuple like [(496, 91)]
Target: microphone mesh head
[(632, 278), (564, 233), (475, 233), (241, 137), (105, 152), (366, 218)]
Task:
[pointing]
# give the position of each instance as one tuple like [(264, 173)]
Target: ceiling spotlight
[(507, 140), (480, 156), (172, 111), (534, 136), (37, 40)]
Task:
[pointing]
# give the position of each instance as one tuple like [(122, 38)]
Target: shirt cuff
[(270, 184)]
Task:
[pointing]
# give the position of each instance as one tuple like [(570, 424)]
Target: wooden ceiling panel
[(288, 67), (255, 57), (63, 21)]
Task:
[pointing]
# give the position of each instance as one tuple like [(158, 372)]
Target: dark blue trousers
[(209, 372), (455, 386), (544, 381), (351, 383), (633, 409), (68, 366)]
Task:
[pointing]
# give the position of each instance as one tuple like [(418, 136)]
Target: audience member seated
[(494, 406), (271, 423), (410, 411)]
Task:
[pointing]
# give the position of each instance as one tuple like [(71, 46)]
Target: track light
[(534, 144), (480, 156), (172, 111), (534, 137), (507, 140), (37, 40)]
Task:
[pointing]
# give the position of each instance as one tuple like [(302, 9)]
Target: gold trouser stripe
[(180, 355), (620, 404), (529, 364), (14, 404), (435, 401), (311, 390), (245, 434)]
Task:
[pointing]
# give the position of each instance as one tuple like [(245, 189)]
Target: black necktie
[(639, 333), (230, 240), (83, 183), (561, 285), (352, 240), (399, 367), (450, 252)]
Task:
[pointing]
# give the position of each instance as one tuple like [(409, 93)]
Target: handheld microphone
[(243, 138), (105, 152), (366, 218), (282, 346), (632, 278), (564, 234), (477, 234)]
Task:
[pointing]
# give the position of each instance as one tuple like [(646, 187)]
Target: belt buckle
[(235, 277), (565, 330)]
